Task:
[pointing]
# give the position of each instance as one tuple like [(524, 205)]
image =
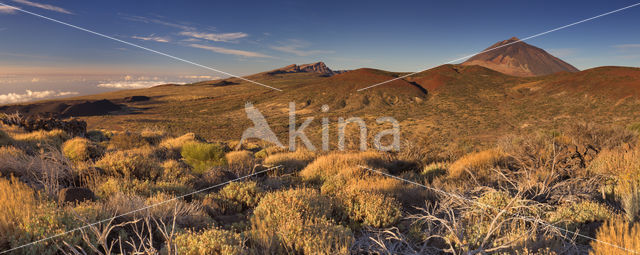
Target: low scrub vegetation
[(182, 195)]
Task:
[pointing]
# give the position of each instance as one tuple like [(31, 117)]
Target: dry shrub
[(159, 206), (210, 241), (127, 141), (617, 232), (477, 165), (298, 220), (106, 187), (153, 135), (370, 209), (622, 167), (346, 164), (81, 149), (601, 137), (247, 194), (130, 164), (240, 162), (203, 156), (50, 170), (174, 145), (163, 206), (233, 198), (14, 161), (495, 223), (572, 215), (291, 161), (408, 194), (173, 170)]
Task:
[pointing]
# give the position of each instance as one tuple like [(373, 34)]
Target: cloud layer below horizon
[(29, 95)]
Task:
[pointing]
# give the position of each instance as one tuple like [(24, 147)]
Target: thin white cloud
[(7, 10), (222, 37), (12, 98), (157, 21), (44, 6), (221, 50), (627, 46), (128, 84), (151, 38), (297, 47), (191, 40), (207, 77)]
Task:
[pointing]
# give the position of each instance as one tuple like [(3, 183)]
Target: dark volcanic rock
[(73, 127), (63, 109), (75, 195), (133, 99), (91, 108), (224, 83)]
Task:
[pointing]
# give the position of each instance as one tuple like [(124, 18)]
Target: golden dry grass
[(477, 164), (617, 232), (624, 166), (174, 145), (41, 138), (291, 161), (240, 159), (18, 205), (345, 164)]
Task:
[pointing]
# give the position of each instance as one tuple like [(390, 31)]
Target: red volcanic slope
[(519, 59)]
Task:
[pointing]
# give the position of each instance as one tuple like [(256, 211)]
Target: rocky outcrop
[(318, 67), (73, 127)]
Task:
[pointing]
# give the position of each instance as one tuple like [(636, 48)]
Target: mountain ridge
[(317, 67)]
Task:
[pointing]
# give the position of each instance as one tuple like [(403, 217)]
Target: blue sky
[(244, 37)]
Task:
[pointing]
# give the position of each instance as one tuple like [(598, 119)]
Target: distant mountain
[(520, 59), (318, 67)]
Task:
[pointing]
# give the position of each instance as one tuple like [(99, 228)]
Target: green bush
[(203, 156)]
